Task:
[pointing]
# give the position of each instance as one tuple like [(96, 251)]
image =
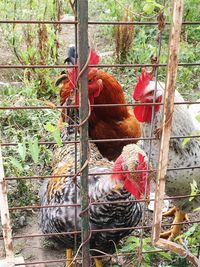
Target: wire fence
[(81, 23)]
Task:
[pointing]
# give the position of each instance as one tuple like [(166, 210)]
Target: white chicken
[(184, 156)]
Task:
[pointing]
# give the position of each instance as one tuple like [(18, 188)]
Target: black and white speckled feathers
[(102, 188)]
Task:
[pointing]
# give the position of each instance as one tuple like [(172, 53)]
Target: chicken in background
[(106, 122), (178, 182), (71, 55), (102, 188)]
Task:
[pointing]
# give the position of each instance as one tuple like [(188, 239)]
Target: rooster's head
[(67, 80), (94, 83), (144, 92), (133, 161)]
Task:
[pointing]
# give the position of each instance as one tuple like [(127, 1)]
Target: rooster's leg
[(69, 256), (60, 124), (98, 263), (171, 212), (175, 229)]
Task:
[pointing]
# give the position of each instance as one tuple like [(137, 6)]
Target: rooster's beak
[(99, 82)]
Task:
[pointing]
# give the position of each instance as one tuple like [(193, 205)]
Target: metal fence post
[(84, 109)]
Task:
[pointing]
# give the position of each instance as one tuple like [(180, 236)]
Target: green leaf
[(147, 240), (194, 190), (165, 255), (56, 135), (49, 127), (198, 117), (31, 51), (185, 141), (16, 164), (131, 239), (158, 5), (34, 150), (191, 230), (55, 132), (128, 248), (22, 150), (149, 8)]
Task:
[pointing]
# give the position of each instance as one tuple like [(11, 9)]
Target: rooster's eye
[(125, 167), (150, 93)]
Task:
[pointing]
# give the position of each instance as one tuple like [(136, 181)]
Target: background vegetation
[(46, 44)]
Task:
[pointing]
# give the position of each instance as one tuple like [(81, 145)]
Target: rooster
[(105, 122), (178, 182), (102, 188)]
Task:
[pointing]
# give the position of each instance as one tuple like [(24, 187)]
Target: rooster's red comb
[(143, 80), (94, 60)]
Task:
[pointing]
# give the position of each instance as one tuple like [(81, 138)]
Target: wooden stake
[(174, 43), (5, 218)]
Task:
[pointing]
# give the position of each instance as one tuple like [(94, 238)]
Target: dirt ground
[(36, 249), (33, 249)]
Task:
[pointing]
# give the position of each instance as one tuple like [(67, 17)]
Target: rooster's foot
[(171, 212), (98, 262), (175, 229), (69, 256)]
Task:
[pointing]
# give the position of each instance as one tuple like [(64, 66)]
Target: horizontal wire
[(149, 23), (103, 140), (98, 203), (3, 66), (103, 256), (95, 105), (35, 177), (100, 230)]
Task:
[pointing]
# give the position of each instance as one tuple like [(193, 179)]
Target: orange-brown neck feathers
[(112, 93)]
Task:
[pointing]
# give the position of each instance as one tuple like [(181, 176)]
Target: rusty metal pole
[(82, 6)]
